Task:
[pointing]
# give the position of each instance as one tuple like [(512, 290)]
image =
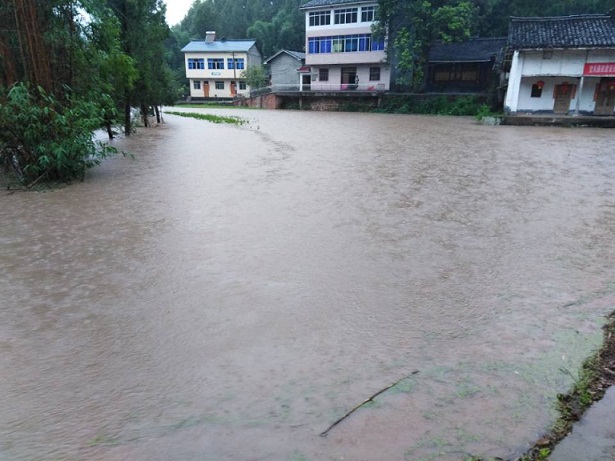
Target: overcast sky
[(176, 10)]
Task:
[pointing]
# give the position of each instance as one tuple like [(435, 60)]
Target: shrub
[(43, 138)]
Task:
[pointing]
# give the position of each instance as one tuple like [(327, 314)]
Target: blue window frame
[(378, 45), (196, 63), (344, 44), (239, 63), (215, 63)]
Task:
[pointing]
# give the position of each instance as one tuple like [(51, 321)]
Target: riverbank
[(596, 376)]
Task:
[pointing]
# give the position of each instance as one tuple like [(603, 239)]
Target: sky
[(176, 10)]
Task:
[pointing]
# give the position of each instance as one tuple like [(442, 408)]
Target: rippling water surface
[(235, 290)]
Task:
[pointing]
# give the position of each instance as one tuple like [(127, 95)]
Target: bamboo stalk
[(325, 433)]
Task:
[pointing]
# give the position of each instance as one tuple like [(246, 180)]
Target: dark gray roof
[(298, 55), (327, 3), (583, 31), (475, 50)]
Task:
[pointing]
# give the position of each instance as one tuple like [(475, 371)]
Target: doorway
[(306, 82), (233, 89), (605, 97), (563, 94), (206, 89), (349, 78)]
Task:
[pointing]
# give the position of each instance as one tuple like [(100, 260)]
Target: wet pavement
[(593, 437), (236, 290)]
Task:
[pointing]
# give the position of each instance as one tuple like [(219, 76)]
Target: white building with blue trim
[(341, 51), (215, 67)]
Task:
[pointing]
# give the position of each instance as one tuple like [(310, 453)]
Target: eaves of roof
[(474, 50), (328, 3), (298, 55), (218, 46), (581, 31)]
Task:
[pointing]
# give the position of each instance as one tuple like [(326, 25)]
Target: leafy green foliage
[(434, 105), (256, 77), (46, 138), (414, 25)]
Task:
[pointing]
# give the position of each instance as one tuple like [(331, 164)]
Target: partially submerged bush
[(46, 138)]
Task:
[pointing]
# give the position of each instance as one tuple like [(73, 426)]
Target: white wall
[(529, 67), (214, 73), (213, 92), (335, 79), (546, 101)]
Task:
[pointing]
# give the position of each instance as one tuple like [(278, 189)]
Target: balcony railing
[(320, 87)]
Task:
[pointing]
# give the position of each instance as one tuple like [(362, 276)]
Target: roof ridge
[(561, 18), (225, 40)]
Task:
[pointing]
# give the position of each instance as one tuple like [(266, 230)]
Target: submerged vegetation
[(596, 375), (231, 119), (435, 105)]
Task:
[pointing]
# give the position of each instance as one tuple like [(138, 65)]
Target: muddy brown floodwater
[(235, 290)]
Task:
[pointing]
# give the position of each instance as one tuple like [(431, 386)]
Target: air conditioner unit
[(315, 76)]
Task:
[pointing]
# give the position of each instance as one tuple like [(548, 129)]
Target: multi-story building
[(341, 50), (215, 67)]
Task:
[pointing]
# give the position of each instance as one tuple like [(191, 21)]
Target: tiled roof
[(218, 46), (319, 3), (562, 32), (298, 55), (475, 50)]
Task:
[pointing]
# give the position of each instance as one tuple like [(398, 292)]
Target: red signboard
[(599, 68)]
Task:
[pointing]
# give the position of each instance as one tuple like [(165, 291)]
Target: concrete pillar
[(579, 94), (511, 103)]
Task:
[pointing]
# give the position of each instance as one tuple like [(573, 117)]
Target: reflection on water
[(236, 290)]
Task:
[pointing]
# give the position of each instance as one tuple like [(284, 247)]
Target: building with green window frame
[(215, 67)]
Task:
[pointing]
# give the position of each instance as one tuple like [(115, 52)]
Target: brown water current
[(235, 290)]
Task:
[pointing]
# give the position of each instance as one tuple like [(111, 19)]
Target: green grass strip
[(233, 120)]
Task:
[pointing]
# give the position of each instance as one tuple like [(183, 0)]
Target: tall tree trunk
[(144, 113), (30, 33), (127, 118)]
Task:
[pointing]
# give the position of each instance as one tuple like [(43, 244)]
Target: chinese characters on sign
[(599, 68)]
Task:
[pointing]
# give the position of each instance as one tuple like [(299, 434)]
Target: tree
[(143, 31), (256, 76), (413, 25)]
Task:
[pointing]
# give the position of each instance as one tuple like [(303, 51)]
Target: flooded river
[(236, 290)]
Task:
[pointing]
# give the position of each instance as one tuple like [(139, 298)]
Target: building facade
[(562, 65), (285, 69), (215, 67), (465, 67), (341, 51)]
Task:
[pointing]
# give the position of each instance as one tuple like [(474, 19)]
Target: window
[(239, 63), (345, 15), (368, 14), (456, 73), (215, 63), (378, 44), (536, 90), (196, 84), (344, 44), (219, 85), (374, 73), (196, 63), (243, 86), (320, 18), (323, 75)]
